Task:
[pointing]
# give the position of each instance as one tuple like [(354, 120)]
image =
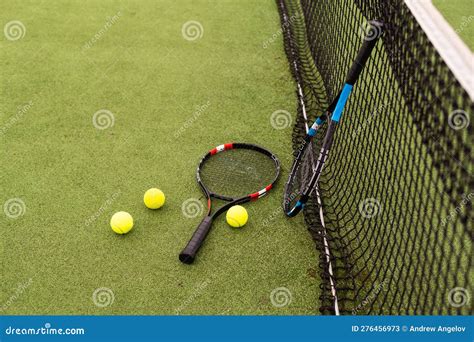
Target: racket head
[(238, 171), (303, 168)]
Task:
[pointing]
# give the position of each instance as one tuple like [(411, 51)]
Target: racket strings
[(238, 172), (304, 170)]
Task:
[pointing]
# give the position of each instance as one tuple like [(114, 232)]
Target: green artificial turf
[(460, 15), (172, 100), (130, 57)]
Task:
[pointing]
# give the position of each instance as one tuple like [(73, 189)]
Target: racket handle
[(188, 254), (375, 31)]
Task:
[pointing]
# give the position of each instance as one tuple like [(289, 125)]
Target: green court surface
[(460, 15), (101, 100), (172, 99)]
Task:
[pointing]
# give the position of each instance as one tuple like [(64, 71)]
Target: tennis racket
[(305, 172), (234, 173)]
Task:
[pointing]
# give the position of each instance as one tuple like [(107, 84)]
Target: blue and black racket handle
[(374, 33), (375, 30)]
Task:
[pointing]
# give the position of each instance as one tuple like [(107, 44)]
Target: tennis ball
[(237, 216), (154, 198), (121, 222)]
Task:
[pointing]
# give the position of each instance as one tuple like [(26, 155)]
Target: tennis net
[(392, 215)]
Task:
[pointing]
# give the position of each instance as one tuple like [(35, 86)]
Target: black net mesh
[(397, 189)]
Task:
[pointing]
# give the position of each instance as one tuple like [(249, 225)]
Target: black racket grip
[(373, 34), (188, 254)]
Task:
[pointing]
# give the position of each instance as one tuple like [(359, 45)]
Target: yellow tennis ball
[(154, 198), (121, 222), (237, 216)]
